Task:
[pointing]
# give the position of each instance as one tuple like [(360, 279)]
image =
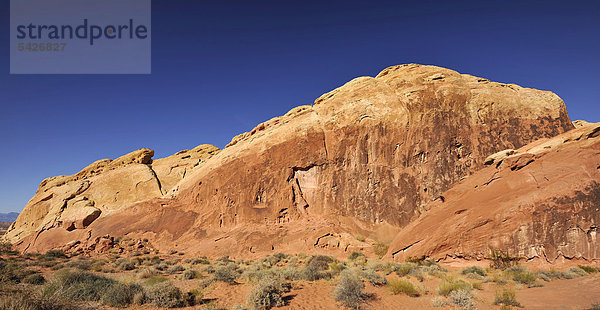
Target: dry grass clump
[(402, 286), (380, 249), (449, 284)]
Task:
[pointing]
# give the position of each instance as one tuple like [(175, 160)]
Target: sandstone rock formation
[(541, 202), (365, 159), (74, 202)]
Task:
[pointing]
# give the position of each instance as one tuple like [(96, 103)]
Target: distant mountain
[(8, 217)]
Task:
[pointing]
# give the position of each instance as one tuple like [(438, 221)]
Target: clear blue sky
[(219, 69)]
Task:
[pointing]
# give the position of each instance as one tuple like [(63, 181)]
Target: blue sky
[(221, 67)]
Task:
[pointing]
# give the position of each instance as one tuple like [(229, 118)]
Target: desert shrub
[(385, 267), (189, 274), (172, 262), (268, 293), (522, 275), (52, 254), (162, 267), (225, 260), (588, 269), (97, 265), (78, 285), (438, 302), (35, 279), (474, 269), (595, 306), (405, 269), (193, 297), (155, 280), (355, 255), (13, 272), (502, 260), (164, 294), (336, 268), (448, 285), (316, 267), (175, 269), (227, 273), (18, 301), (198, 261), (291, 273), (120, 294), (373, 277), (348, 291), (506, 298), (578, 271), (398, 286), (125, 264), (380, 249), (462, 298), (477, 285), (28, 300), (6, 248), (79, 264)]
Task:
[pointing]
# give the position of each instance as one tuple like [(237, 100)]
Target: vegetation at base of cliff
[(59, 280)]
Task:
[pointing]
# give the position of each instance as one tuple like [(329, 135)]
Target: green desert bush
[(577, 271), (164, 294), (588, 269), (228, 273), (120, 294), (79, 263), (373, 277), (316, 267), (189, 274), (402, 286), (125, 264), (175, 269), (506, 298), (52, 254), (268, 293), (448, 285), (522, 275), (348, 291), (355, 255), (76, 285), (474, 269)]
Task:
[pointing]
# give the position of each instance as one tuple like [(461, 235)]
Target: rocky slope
[(73, 202), (540, 202), (365, 159)]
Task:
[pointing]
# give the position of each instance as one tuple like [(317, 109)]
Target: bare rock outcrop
[(74, 202), (540, 202), (365, 158)]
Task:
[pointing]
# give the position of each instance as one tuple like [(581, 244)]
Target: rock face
[(541, 202), (74, 202), (365, 159)]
